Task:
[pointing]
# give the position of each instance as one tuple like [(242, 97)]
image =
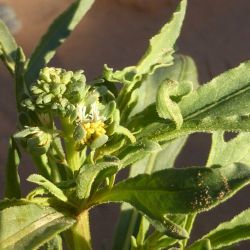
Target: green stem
[(72, 156), (81, 232), (111, 181), (41, 163), (55, 175), (188, 226)]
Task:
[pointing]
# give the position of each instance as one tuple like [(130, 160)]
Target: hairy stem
[(81, 232), (72, 156)]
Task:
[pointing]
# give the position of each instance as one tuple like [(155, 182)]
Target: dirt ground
[(216, 34)]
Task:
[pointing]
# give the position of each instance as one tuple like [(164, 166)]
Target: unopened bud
[(36, 140)]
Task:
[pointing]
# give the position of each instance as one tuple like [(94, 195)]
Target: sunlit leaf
[(8, 47), (12, 186), (29, 226), (224, 153), (180, 191), (48, 185), (228, 233), (92, 175)]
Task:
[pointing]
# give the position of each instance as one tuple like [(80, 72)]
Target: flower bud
[(36, 140), (57, 90)]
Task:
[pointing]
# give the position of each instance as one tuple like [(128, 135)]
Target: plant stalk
[(81, 232), (81, 237), (72, 156)]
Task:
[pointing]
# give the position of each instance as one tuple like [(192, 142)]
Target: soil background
[(216, 34)]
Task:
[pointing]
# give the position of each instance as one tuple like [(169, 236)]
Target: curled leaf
[(165, 106)]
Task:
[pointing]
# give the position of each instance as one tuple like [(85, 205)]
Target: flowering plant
[(81, 133)]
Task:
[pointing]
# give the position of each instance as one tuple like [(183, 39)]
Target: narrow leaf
[(162, 44), (229, 233), (12, 187), (124, 131), (157, 129), (170, 228), (226, 95), (159, 241), (167, 157), (181, 191), (19, 77), (143, 229), (224, 153), (54, 244), (59, 30), (30, 226), (158, 54), (91, 176), (137, 151), (48, 185), (126, 227), (8, 47), (204, 244)]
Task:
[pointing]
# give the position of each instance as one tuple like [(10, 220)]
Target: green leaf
[(246, 160), (165, 106), (59, 30), (12, 187), (143, 229), (125, 228), (19, 77), (124, 76), (222, 104), (167, 156), (224, 153), (226, 95), (156, 129), (48, 185), (161, 45), (54, 244), (228, 233), (170, 228), (91, 176), (29, 226), (137, 151), (158, 54), (8, 47), (124, 131), (180, 191), (183, 69), (159, 241), (99, 141), (159, 160), (204, 244)]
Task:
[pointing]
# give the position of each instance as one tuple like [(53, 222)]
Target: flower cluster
[(57, 90), (89, 109)]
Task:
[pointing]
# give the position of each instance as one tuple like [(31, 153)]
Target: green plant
[(80, 134)]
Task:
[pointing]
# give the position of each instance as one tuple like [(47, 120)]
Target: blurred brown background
[(216, 34)]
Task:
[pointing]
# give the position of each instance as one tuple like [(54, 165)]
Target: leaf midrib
[(214, 104)]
